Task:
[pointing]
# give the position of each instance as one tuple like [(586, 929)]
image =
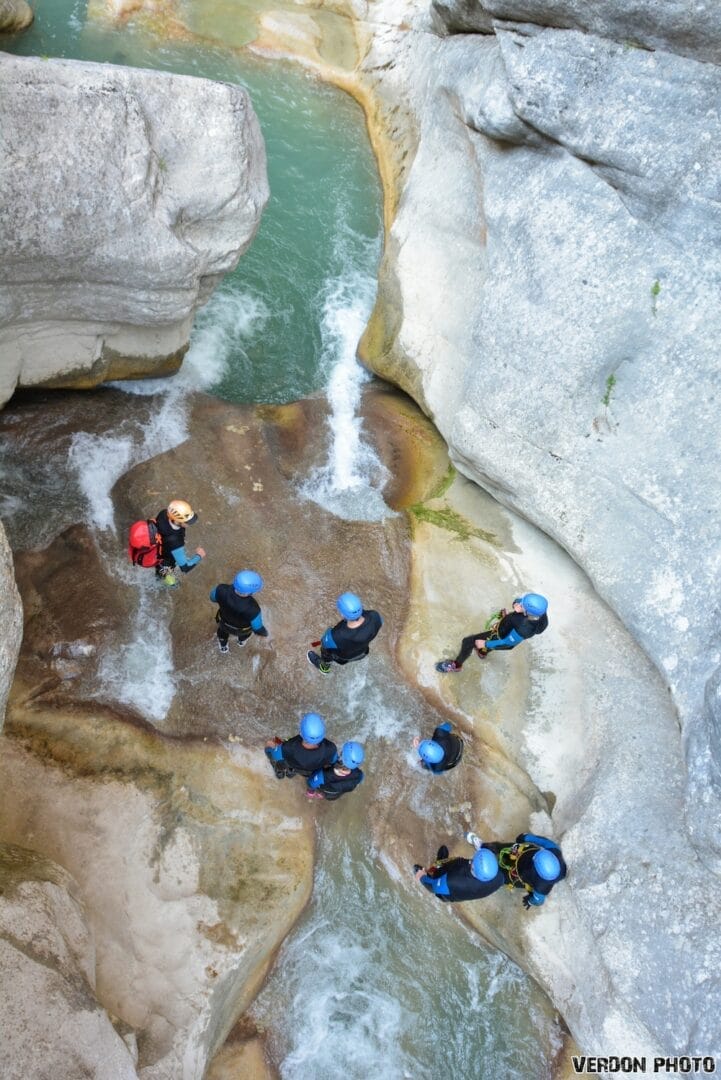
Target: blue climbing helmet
[(534, 604), (431, 752), (312, 728), (349, 605), (247, 581), (546, 865), (484, 865), (352, 755)]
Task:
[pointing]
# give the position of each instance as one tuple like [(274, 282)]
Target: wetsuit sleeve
[(256, 623), (443, 727), (316, 780), (535, 899), (212, 594), (182, 560), (508, 642), (328, 641), (542, 841), (438, 886)]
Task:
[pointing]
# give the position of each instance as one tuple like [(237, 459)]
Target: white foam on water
[(350, 484), (98, 461), (140, 673)]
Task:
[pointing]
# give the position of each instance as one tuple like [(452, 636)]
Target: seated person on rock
[(238, 611), (442, 752), (455, 880), (305, 753), (336, 780), (350, 638), (170, 524), (532, 863), (503, 631)]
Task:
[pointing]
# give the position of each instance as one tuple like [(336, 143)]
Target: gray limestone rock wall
[(11, 620), (687, 27), (551, 294), (125, 196)]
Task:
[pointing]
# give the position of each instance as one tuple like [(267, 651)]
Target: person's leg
[(222, 633), (467, 647)]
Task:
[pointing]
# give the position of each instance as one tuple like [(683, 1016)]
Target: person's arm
[(328, 641), (213, 595), (256, 625), (181, 559), (533, 899), (438, 886), (316, 780), (443, 727)]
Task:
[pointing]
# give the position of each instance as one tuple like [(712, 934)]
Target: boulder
[(15, 15), (145, 190), (52, 1024)]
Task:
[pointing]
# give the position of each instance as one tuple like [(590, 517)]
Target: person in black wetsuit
[(305, 753), (458, 879), (171, 524), (532, 863), (527, 619), (441, 752), (238, 610), (336, 780), (350, 638)]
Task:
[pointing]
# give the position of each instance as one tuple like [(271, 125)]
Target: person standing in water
[(350, 638), (171, 523), (304, 753), (336, 780), (238, 610), (443, 751)]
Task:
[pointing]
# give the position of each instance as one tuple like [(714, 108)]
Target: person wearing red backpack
[(171, 523)]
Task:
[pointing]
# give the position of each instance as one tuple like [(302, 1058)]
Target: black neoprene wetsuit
[(452, 746), (453, 882), (304, 760), (511, 630), (343, 643), (331, 785), (239, 615)]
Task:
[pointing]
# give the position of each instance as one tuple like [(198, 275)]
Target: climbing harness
[(508, 861)]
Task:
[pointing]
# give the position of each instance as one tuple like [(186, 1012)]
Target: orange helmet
[(181, 513)]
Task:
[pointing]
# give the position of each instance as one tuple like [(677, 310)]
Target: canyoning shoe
[(445, 666), (442, 852), (223, 648), (474, 840), (317, 663), (242, 642), (416, 867), (169, 580), (313, 795)]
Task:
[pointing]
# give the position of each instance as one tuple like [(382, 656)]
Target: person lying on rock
[(504, 630), (238, 611), (170, 523), (442, 752), (456, 880), (336, 780), (532, 863), (349, 639), (305, 753)]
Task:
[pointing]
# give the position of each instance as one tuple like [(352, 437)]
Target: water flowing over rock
[(145, 189)]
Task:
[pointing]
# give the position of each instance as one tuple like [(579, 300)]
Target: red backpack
[(144, 543)]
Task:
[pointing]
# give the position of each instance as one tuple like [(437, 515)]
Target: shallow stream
[(377, 980)]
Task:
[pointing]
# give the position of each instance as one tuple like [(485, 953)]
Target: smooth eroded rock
[(11, 620), (15, 15), (145, 189)]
